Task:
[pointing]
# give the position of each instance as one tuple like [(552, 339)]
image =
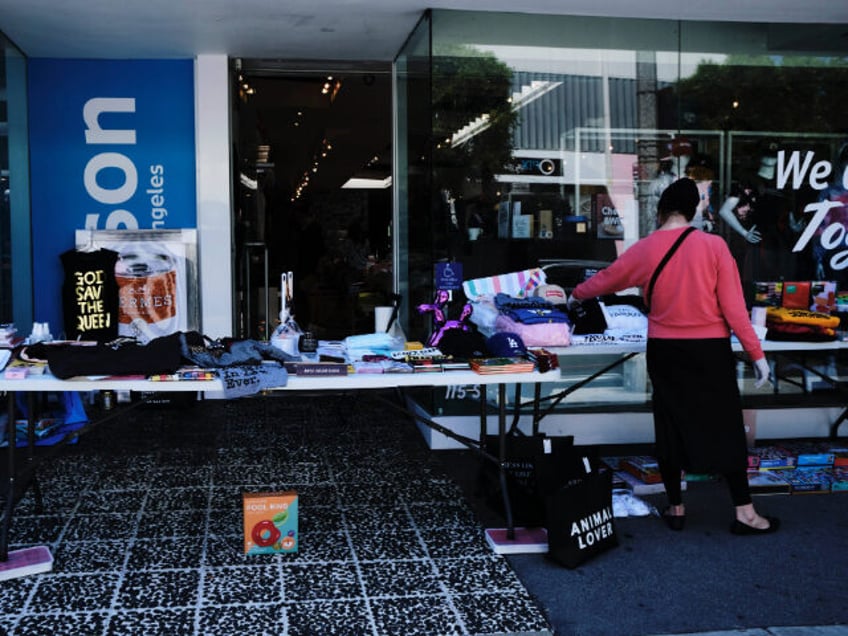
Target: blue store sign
[(111, 147)]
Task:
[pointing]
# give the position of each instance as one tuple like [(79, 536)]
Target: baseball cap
[(463, 344), (552, 293), (680, 146), (506, 344)]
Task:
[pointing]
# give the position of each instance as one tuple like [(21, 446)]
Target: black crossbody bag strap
[(662, 264)]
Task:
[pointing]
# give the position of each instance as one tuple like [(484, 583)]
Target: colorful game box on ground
[(270, 522)]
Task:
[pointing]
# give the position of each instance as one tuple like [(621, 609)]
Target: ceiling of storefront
[(289, 112), (354, 40), (315, 29)]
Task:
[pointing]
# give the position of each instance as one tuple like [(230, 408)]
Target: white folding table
[(37, 384)]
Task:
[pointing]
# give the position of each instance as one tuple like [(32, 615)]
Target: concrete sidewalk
[(703, 581), (824, 630)]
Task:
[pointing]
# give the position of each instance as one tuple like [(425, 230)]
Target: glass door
[(313, 156)]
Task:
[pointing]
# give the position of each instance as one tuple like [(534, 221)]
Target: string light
[(245, 89), (322, 153)]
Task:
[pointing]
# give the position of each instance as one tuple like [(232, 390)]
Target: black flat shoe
[(674, 522), (739, 528)]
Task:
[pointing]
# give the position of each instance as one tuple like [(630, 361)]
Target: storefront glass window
[(15, 291), (414, 247), (551, 138)]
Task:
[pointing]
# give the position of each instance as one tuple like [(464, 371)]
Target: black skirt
[(697, 407)]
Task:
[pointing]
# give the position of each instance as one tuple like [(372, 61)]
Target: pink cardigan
[(697, 295)]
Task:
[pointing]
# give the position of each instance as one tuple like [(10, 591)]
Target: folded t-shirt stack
[(530, 310), (800, 324), (536, 320)]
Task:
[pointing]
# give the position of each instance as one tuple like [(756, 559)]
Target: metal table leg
[(510, 527), (8, 503)]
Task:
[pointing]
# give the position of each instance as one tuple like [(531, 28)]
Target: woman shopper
[(696, 302)]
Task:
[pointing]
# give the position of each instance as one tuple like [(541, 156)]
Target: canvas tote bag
[(580, 520)]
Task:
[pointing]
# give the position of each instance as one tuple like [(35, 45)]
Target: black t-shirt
[(90, 295)]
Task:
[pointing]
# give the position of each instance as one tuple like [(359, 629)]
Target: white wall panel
[(214, 182)]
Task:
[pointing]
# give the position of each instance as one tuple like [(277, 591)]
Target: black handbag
[(580, 521), (588, 317)]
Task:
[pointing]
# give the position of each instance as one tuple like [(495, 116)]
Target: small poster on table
[(156, 273)]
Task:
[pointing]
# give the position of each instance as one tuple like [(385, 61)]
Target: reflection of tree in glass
[(772, 93), (469, 84)]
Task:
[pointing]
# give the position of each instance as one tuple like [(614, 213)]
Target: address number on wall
[(462, 392)]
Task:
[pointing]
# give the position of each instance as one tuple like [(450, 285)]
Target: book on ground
[(808, 480), (770, 457), (639, 487), (26, 561), (840, 480), (642, 466), (526, 541), (767, 482)]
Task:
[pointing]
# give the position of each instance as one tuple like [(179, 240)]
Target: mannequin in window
[(664, 177), (737, 210), (671, 167), (758, 212), (700, 170)]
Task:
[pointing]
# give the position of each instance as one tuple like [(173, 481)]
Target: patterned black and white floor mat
[(144, 519)]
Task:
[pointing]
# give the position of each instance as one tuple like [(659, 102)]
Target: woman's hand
[(761, 371)]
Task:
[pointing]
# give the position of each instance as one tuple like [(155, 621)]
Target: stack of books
[(767, 482), (798, 467), (317, 368), (789, 467), (525, 541), (26, 561), (644, 467), (631, 471), (189, 373), (840, 480), (770, 458), (426, 366), (456, 364), (487, 366), (808, 480)]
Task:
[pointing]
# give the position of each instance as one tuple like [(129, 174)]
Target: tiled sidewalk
[(143, 517)]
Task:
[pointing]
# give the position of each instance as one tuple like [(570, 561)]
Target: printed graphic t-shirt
[(90, 295)]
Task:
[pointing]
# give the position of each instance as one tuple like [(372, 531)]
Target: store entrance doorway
[(312, 159)]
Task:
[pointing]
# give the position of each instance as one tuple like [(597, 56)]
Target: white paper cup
[(758, 316), (381, 319), (286, 342)]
